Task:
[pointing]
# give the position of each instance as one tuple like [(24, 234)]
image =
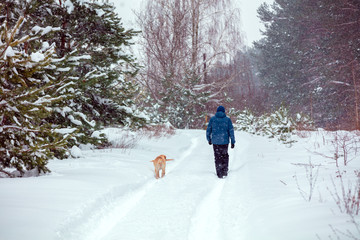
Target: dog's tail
[(169, 159)]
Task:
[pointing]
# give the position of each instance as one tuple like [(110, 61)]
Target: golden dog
[(160, 163)]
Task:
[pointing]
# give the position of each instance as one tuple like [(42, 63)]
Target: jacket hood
[(220, 109), (220, 115)]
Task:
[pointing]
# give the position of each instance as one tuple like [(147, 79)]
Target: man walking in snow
[(218, 132)]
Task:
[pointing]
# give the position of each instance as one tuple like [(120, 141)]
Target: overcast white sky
[(250, 22)]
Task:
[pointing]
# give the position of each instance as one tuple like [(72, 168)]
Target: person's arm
[(208, 131), (231, 132)]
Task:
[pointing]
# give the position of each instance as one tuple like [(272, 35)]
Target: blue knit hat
[(220, 109)]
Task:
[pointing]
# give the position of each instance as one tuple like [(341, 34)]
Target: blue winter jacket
[(220, 129)]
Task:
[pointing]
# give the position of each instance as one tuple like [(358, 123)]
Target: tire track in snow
[(236, 205), (238, 156), (187, 153), (97, 214), (119, 211), (205, 224)]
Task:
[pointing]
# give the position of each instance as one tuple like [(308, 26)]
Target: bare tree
[(164, 26), (187, 39)]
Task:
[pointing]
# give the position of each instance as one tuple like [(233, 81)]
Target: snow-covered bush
[(279, 124), (246, 121), (303, 122)]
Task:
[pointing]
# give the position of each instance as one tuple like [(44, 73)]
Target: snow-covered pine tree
[(183, 103), (103, 94), (27, 140), (246, 121), (107, 90), (64, 114)]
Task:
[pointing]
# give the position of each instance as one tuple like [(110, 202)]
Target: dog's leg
[(157, 169), (163, 170)]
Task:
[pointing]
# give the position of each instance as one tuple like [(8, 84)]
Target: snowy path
[(112, 194), (189, 203), (186, 204), (174, 202)]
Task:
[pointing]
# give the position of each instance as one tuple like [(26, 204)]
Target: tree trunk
[(195, 32), (356, 98)]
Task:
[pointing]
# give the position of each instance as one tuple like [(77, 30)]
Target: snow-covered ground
[(111, 194)]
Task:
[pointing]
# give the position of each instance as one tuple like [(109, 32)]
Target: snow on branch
[(45, 30), (342, 83)]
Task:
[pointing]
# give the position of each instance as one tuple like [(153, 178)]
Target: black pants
[(221, 160)]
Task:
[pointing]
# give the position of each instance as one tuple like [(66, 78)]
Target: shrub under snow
[(278, 124)]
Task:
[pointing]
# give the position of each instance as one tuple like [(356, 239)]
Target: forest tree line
[(309, 59), (194, 59)]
